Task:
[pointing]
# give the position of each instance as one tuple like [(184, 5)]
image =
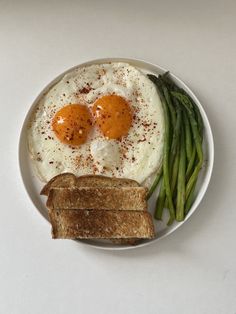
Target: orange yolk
[(113, 116), (72, 124)]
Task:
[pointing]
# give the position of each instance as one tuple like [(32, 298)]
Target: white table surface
[(194, 269)]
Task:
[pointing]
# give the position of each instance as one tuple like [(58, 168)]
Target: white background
[(194, 269)]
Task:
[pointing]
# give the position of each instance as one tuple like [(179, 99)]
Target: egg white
[(137, 156)]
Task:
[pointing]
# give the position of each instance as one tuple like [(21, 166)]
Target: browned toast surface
[(98, 207), (70, 180), (63, 180), (100, 224), (108, 198)]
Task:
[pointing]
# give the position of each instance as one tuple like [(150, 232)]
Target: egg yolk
[(113, 116), (72, 124)]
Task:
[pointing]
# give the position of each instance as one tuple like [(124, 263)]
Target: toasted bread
[(107, 198), (63, 180), (100, 224), (70, 180)]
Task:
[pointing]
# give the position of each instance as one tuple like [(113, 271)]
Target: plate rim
[(207, 127)]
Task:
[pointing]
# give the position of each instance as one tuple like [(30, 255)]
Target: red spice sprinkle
[(145, 124), (143, 140), (86, 89)]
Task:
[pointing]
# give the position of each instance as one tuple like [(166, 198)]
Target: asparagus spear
[(176, 134), (199, 118), (175, 170), (169, 103), (181, 180), (191, 163), (174, 153), (155, 183), (160, 201), (196, 112), (188, 136), (169, 82), (166, 149), (197, 139), (190, 199), (172, 86), (173, 119)]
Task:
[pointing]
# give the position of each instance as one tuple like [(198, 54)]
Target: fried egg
[(102, 119)]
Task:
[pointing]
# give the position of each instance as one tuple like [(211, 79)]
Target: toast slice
[(106, 198), (100, 224), (68, 180), (63, 180)]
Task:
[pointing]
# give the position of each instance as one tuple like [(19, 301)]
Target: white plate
[(33, 185)]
